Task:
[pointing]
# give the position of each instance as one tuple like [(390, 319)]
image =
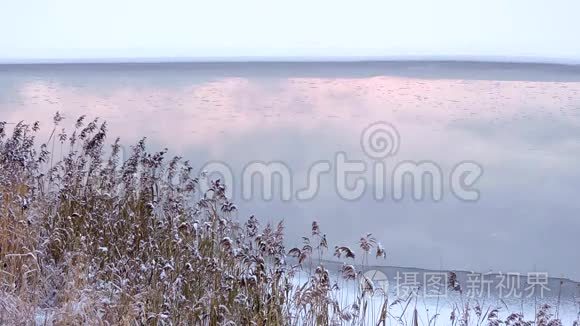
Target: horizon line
[(298, 59)]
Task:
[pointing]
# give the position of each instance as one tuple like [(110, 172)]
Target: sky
[(68, 30)]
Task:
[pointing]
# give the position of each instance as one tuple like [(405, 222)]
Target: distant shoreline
[(430, 69)]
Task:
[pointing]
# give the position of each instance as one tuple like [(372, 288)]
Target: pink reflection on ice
[(233, 107)]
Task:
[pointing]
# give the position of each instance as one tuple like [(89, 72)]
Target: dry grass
[(93, 240)]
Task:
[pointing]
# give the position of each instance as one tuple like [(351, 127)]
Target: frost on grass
[(90, 239)]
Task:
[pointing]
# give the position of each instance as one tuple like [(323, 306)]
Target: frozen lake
[(519, 122)]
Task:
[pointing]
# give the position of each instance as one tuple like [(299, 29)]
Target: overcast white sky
[(122, 29)]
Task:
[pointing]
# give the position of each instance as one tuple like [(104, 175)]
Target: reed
[(90, 239)]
